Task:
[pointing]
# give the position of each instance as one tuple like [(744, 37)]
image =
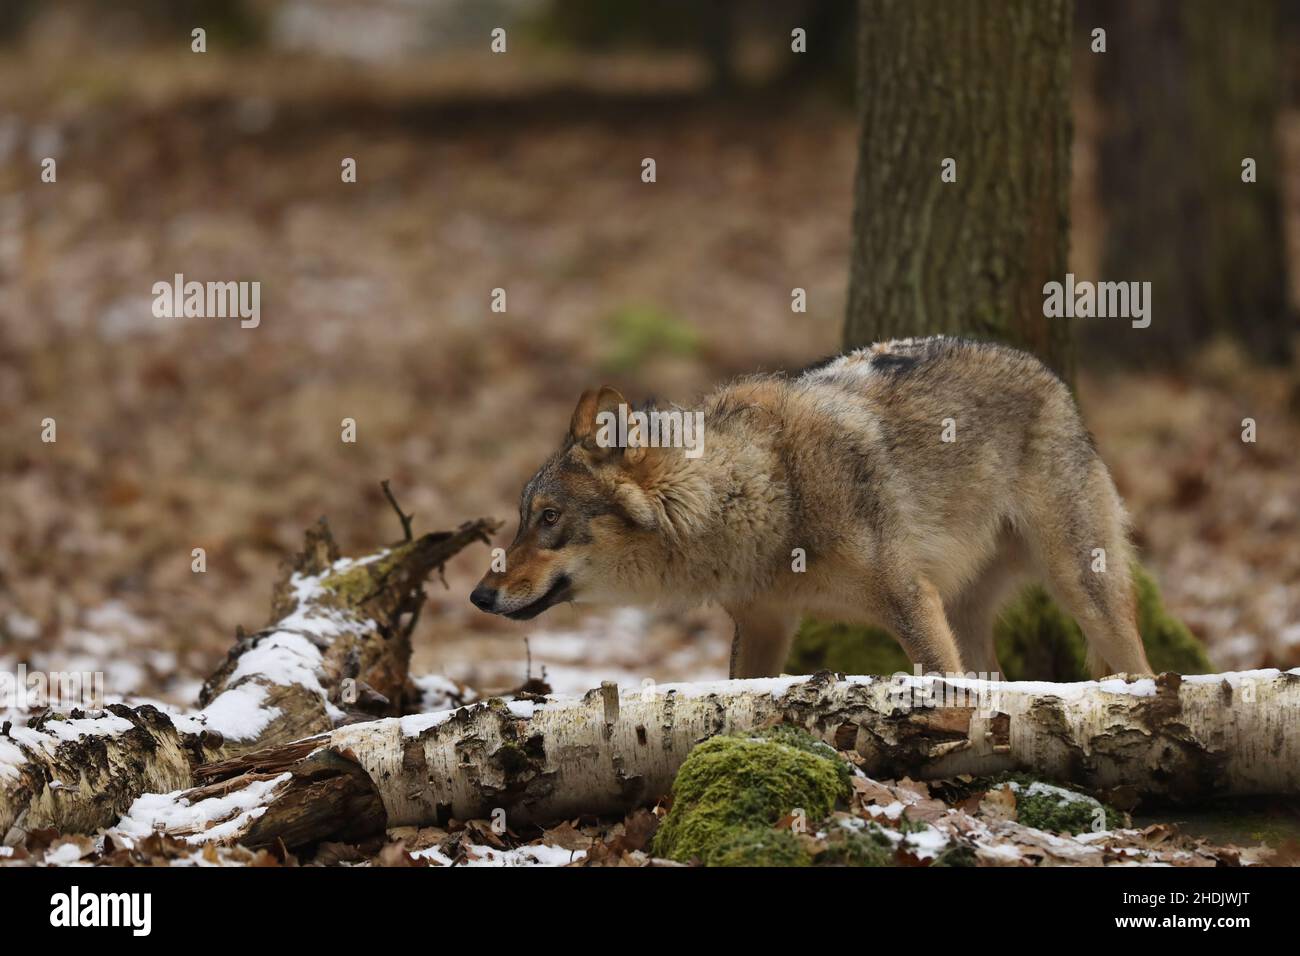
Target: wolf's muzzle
[(560, 590), (484, 598)]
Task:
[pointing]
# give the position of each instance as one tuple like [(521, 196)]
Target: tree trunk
[(337, 652), (1190, 89), (608, 752), (984, 83)]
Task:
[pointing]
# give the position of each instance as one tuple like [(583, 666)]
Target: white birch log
[(1169, 738)]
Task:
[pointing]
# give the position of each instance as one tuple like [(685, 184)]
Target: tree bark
[(1190, 89), (1169, 738), (984, 83), (337, 651)]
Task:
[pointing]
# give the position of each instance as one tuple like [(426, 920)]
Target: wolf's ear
[(585, 423)]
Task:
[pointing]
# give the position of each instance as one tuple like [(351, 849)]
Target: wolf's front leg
[(917, 619), (762, 640)]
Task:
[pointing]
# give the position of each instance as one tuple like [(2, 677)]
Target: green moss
[(1060, 810), (800, 739), (760, 846), (846, 648), (730, 786), (634, 334), (1035, 640), (356, 582), (958, 855), (1170, 645), (850, 846)]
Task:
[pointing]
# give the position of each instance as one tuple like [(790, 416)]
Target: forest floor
[(176, 434)]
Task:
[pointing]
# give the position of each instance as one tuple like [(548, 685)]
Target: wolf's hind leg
[(1076, 535), (762, 640)]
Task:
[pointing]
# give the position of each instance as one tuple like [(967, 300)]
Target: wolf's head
[(588, 520)]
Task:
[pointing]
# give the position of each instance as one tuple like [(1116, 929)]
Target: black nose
[(483, 597)]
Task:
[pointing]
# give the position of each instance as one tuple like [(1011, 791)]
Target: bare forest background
[(522, 171)]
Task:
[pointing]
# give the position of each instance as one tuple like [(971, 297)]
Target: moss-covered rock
[(759, 846), (1045, 806), (956, 855), (1035, 640), (731, 790), (1058, 807), (856, 846), (800, 739)]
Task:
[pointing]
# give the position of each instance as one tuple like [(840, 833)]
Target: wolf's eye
[(550, 516)]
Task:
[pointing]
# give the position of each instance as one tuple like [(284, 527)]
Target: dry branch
[(1167, 738), (337, 651)]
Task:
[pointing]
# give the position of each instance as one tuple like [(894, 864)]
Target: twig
[(401, 516)]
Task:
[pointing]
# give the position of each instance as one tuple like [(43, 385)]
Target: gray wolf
[(911, 485)]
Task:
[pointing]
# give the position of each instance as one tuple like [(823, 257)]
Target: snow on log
[(337, 651), (545, 759)]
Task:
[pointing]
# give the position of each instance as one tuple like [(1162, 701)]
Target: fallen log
[(1168, 738), (337, 651)]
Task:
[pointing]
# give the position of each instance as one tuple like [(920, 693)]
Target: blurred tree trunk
[(14, 15), (718, 37), (1190, 89), (985, 83)]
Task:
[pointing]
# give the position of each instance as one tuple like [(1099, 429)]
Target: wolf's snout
[(483, 597)]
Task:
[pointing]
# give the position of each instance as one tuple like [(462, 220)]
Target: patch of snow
[(415, 724), (776, 686), (215, 818), (890, 812), (11, 758), (117, 618), (522, 708), (282, 658), (63, 855), (1064, 797), (319, 618), (61, 731), (347, 564), (1001, 851), (438, 692), (21, 627), (1235, 678), (926, 843), (540, 855), (237, 714)]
